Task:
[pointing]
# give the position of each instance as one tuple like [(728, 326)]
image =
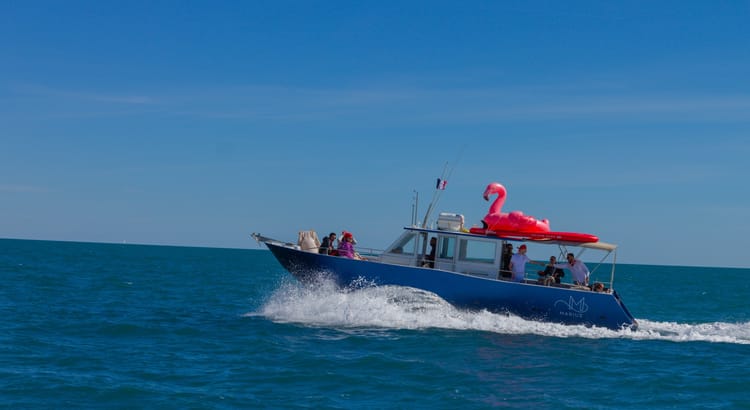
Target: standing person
[(518, 264), (430, 258), (505, 265), (328, 246), (346, 246), (577, 268)]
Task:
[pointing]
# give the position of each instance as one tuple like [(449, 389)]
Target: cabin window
[(407, 245), (447, 248), (476, 251)]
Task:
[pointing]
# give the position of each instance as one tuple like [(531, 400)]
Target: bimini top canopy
[(602, 246)]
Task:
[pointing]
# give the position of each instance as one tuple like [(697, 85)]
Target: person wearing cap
[(579, 270), (518, 264), (346, 245), (354, 240)]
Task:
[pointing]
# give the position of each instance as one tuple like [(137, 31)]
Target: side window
[(447, 248), (407, 245), (477, 251)]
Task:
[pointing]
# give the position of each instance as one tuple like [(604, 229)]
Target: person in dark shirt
[(551, 273), (328, 246), (430, 258), (505, 265)]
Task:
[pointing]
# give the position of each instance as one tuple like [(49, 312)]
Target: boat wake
[(396, 307), (719, 332)]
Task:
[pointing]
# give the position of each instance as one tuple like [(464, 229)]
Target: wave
[(720, 332), (394, 307)]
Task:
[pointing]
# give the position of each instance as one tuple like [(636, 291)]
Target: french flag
[(441, 183)]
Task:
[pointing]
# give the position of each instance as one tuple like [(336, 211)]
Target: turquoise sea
[(87, 325)]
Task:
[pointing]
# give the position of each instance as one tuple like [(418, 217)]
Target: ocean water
[(126, 326)]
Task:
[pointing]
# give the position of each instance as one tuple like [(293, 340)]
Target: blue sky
[(197, 123)]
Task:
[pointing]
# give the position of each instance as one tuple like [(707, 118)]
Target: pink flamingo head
[(497, 204), (494, 188)]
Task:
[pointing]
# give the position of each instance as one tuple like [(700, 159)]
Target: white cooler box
[(450, 222)]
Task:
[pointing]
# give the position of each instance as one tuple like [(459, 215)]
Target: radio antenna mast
[(414, 208), (440, 187)]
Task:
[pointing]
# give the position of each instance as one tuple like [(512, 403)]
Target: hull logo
[(573, 306)]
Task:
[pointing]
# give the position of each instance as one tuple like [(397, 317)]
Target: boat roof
[(603, 246)]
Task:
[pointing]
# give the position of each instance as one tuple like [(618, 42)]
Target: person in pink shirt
[(346, 245)]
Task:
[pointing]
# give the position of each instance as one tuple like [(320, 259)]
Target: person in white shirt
[(518, 264), (577, 268)]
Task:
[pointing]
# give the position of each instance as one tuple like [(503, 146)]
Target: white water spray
[(396, 307)]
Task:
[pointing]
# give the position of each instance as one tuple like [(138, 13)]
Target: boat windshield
[(408, 244)]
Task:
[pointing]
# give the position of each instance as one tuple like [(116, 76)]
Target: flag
[(441, 183)]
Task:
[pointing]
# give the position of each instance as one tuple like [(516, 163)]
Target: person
[(328, 246), (577, 268), (354, 240), (346, 246), (430, 258), (505, 265), (518, 264), (551, 273)]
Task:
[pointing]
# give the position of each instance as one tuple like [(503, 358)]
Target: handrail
[(530, 280)]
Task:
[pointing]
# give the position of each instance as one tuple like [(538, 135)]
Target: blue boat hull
[(530, 301)]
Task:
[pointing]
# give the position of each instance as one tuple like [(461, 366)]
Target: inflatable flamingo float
[(496, 220)]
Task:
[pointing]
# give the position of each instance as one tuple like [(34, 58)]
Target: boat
[(465, 270)]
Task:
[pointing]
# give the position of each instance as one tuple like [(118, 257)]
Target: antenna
[(414, 208), (440, 186)]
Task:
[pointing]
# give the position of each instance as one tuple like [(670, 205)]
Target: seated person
[(551, 273), (327, 247), (346, 246)]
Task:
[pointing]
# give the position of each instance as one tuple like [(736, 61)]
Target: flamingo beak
[(486, 197)]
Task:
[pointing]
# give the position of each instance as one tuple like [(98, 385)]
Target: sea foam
[(323, 304)]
